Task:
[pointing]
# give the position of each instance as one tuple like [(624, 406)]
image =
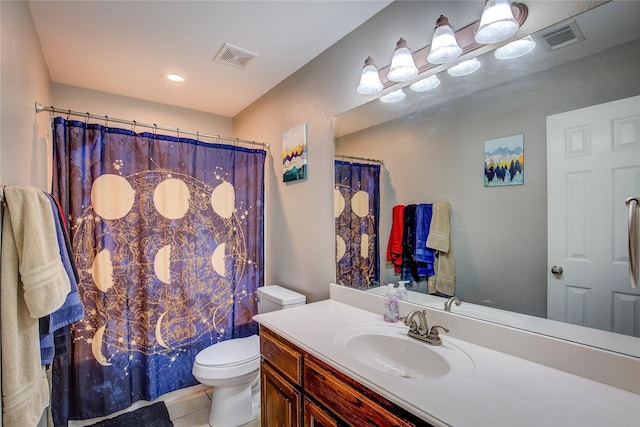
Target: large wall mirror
[(432, 146)]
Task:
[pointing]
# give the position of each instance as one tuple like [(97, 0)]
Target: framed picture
[(294, 153), (504, 161)]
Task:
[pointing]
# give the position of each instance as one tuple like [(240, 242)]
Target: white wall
[(300, 246), (122, 107), (25, 80)]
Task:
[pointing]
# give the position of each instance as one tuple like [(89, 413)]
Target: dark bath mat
[(155, 415)]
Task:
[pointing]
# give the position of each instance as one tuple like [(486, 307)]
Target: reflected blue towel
[(72, 310), (423, 256)]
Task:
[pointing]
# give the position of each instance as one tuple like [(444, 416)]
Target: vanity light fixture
[(497, 22), (370, 79), (395, 96), (464, 68), (425, 84), (515, 49), (174, 78), (444, 46), (402, 66)]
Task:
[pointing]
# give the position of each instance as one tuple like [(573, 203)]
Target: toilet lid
[(231, 352)]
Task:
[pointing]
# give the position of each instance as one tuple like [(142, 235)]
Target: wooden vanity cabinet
[(280, 381), (298, 388)]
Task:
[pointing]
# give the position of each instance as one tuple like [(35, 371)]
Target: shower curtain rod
[(40, 108), (359, 158)]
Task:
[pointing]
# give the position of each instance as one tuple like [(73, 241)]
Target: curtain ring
[(218, 139), (155, 129), (237, 142), (133, 127), (106, 121), (86, 119), (178, 132), (198, 135), (68, 113)]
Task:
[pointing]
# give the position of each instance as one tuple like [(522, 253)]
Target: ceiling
[(125, 47)]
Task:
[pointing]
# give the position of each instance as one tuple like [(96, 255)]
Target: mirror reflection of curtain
[(168, 241), (357, 209)]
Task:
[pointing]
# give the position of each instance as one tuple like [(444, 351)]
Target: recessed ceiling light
[(173, 77)]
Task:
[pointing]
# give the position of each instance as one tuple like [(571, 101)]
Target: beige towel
[(440, 229), (34, 284), (439, 240)]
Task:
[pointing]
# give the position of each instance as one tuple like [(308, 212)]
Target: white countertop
[(502, 390)]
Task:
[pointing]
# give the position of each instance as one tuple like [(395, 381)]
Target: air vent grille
[(235, 56), (560, 37)]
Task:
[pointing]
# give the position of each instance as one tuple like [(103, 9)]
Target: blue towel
[(72, 310), (423, 256)]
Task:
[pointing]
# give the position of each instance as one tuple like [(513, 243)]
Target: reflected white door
[(593, 165)]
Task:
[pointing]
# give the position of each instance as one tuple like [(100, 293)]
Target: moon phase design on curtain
[(167, 235), (356, 211)]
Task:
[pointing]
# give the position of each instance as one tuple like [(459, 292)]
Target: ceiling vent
[(561, 36), (235, 56)]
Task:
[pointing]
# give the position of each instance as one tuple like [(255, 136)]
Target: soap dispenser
[(402, 290), (393, 312)]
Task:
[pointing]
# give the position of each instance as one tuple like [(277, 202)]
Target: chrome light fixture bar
[(466, 41)]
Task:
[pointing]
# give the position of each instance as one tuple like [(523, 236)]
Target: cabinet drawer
[(347, 402), (282, 355)]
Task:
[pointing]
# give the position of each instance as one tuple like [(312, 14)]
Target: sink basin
[(388, 350)]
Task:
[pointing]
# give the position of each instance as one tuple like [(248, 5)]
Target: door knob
[(556, 270)]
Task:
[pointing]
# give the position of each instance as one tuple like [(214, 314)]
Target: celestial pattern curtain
[(168, 241), (357, 209)]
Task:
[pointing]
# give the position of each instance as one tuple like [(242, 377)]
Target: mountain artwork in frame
[(504, 161), (294, 153)]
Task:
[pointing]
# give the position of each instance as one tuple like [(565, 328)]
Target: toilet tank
[(275, 297)]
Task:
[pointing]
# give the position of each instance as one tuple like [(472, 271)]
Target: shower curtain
[(357, 209), (167, 235)]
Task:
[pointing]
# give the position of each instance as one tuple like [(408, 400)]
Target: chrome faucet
[(447, 303), (420, 329)]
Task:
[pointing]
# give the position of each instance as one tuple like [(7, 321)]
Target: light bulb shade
[(425, 84), (464, 68), (402, 66), (497, 22), (444, 46), (395, 96), (515, 49), (369, 79)]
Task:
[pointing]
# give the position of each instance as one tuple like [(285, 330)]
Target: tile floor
[(187, 408)]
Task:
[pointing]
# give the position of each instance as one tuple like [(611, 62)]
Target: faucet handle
[(434, 336), (434, 330)]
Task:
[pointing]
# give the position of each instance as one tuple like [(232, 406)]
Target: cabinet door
[(281, 402), (315, 416)]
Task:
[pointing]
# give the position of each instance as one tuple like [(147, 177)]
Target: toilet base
[(233, 406)]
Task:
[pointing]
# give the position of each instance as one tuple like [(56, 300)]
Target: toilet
[(232, 367)]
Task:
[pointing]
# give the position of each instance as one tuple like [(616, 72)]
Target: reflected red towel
[(394, 248)]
